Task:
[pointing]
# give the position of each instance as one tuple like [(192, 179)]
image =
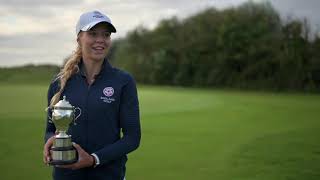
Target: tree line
[(246, 47)]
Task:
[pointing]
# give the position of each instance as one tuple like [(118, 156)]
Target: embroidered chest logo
[(107, 92)]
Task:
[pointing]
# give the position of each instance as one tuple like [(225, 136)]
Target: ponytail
[(70, 68)]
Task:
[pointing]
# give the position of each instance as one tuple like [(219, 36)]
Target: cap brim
[(91, 25)]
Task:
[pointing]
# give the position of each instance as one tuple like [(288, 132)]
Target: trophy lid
[(63, 104)]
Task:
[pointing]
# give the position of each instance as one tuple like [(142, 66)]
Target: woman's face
[(95, 43)]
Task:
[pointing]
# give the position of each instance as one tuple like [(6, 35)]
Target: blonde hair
[(70, 67)]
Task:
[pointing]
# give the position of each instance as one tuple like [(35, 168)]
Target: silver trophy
[(62, 151)]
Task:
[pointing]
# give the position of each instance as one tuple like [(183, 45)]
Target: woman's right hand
[(46, 150)]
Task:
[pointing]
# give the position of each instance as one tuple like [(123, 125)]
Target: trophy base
[(63, 156), (62, 162)]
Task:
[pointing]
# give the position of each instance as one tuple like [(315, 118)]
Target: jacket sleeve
[(129, 123), (50, 128)]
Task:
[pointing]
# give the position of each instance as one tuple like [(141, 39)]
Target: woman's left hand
[(84, 159)]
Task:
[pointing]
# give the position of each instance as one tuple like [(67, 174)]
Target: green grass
[(29, 73), (186, 134)]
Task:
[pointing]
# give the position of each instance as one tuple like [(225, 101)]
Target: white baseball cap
[(89, 19)]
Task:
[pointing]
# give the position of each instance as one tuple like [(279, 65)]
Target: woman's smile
[(99, 49)]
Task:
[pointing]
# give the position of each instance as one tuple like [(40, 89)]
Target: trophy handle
[(77, 108)]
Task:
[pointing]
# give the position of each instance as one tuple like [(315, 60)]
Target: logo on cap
[(108, 91), (97, 14)]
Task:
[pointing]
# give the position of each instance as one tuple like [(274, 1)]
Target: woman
[(109, 103)]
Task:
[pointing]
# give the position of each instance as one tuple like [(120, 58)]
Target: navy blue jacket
[(109, 106)]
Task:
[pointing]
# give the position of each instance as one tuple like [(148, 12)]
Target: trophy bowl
[(62, 152)]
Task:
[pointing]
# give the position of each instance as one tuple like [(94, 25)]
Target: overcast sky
[(43, 31)]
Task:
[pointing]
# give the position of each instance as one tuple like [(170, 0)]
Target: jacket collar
[(106, 66)]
